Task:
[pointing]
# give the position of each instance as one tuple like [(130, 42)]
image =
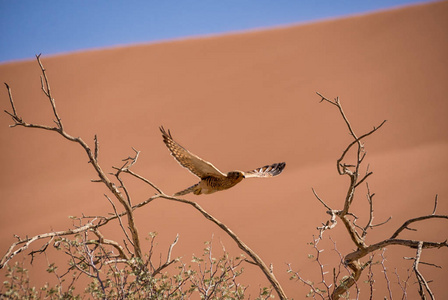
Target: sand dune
[(242, 101)]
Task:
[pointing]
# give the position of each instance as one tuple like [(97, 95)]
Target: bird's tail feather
[(186, 191)]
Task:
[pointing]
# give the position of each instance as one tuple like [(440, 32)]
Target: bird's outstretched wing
[(186, 159), (266, 171)]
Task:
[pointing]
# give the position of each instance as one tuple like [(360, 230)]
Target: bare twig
[(314, 290), (41, 250), (168, 261), (330, 223), (14, 116), (119, 218), (403, 283), (97, 147), (424, 263), (423, 284), (410, 221), (321, 266), (370, 279), (435, 205), (47, 92), (385, 273), (320, 200), (370, 200), (144, 180), (382, 223)]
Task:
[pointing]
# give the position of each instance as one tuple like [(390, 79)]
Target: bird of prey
[(212, 180)]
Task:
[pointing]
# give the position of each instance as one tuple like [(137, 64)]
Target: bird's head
[(235, 175)]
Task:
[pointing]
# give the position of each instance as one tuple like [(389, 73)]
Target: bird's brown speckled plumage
[(212, 180)]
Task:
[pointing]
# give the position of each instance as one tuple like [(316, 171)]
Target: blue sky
[(29, 27)]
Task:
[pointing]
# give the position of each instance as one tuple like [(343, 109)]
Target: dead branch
[(28, 241), (45, 85), (144, 180)]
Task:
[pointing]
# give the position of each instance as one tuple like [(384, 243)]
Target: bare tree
[(357, 233), (129, 253)]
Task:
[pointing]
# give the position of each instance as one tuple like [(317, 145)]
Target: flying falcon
[(212, 180)]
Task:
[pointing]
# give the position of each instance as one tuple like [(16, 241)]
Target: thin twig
[(144, 180), (410, 221), (168, 258), (320, 200), (435, 205), (96, 147), (404, 287), (314, 291), (14, 115), (421, 280), (385, 273), (119, 219)]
